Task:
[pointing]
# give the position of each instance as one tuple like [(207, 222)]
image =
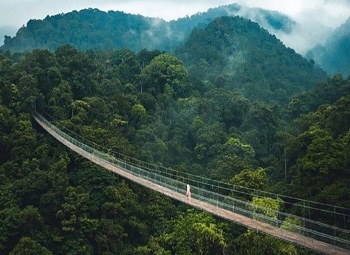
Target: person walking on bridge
[(188, 192)]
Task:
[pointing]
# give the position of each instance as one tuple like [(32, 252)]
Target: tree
[(27, 246), (77, 226), (60, 102), (138, 115), (149, 140), (8, 226), (227, 166), (126, 65), (7, 120), (94, 179), (27, 93), (323, 154), (256, 180), (227, 106), (73, 212), (78, 69), (30, 221), (210, 139), (266, 206), (42, 65), (236, 147), (122, 204), (194, 233), (259, 130), (165, 74), (255, 243), (22, 138)]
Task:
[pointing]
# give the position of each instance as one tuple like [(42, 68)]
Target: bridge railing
[(206, 190)]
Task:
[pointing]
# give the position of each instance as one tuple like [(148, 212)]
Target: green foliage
[(255, 243), (236, 147), (319, 152), (73, 211), (78, 69), (290, 223), (8, 225), (266, 206), (323, 155), (60, 101), (327, 92), (236, 53), (27, 246), (251, 179), (146, 105), (224, 167), (193, 233), (22, 137), (165, 74), (30, 221), (98, 30), (7, 120)]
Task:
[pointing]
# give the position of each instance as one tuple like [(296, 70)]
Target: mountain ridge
[(95, 29), (238, 53), (333, 56)]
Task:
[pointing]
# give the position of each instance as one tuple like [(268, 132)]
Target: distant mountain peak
[(95, 29), (333, 56), (237, 53)]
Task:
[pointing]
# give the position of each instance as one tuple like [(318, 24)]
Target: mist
[(315, 19)]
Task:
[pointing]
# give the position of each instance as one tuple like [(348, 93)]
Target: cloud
[(303, 38), (315, 22), (330, 12), (167, 9)]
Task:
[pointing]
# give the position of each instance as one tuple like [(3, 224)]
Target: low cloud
[(315, 20), (302, 38)]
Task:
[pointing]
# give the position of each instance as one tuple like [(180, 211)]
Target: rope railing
[(210, 183), (212, 192)]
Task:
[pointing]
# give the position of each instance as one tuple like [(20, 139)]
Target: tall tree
[(165, 74)]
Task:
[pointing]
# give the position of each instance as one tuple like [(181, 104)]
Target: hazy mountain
[(271, 20), (237, 53), (6, 31), (96, 29), (333, 56)]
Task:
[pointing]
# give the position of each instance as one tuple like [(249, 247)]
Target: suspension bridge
[(229, 202)]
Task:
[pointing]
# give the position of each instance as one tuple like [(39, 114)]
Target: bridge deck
[(301, 240)]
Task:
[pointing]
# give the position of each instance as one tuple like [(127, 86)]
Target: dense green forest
[(153, 105), (232, 52), (98, 30)]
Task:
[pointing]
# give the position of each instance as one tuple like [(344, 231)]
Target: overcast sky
[(314, 15)]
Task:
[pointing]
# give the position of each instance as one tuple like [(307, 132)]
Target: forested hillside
[(95, 29), (236, 53), (153, 106), (333, 56)]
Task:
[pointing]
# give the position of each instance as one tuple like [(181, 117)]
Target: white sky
[(314, 15)]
